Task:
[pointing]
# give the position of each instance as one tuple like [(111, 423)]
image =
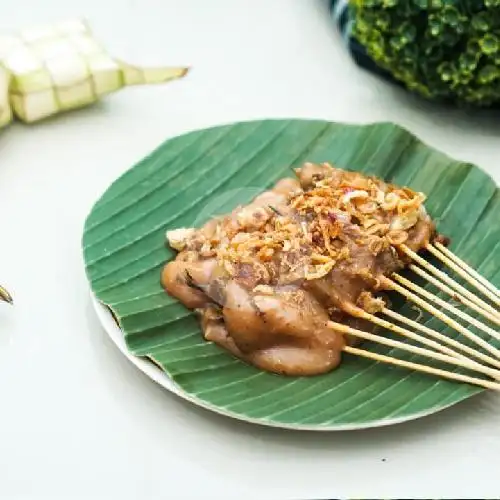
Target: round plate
[(190, 178)]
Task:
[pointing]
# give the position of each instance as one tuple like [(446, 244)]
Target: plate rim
[(162, 378)]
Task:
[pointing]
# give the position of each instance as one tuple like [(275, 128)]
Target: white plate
[(162, 378)]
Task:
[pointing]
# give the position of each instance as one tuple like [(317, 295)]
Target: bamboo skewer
[(414, 336), (443, 338), (422, 368), (457, 312), (494, 373), (443, 317), (468, 269), (411, 348), (449, 281), (453, 353), (455, 295), (493, 295)]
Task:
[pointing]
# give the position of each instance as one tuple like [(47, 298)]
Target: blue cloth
[(342, 16)]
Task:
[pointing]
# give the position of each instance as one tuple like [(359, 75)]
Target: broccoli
[(445, 50)]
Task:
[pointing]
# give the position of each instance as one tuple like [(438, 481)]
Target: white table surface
[(77, 421)]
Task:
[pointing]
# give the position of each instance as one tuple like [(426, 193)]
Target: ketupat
[(55, 68), (49, 69), (446, 51)]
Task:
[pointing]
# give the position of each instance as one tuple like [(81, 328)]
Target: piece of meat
[(276, 201), (342, 286), (242, 319), (336, 289), (286, 186), (214, 330), (420, 235), (274, 313), (283, 332), (292, 312), (257, 321), (296, 361), (175, 278), (386, 263), (312, 172), (208, 229), (285, 359)]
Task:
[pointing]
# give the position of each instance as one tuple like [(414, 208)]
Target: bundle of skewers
[(440, 347), (297, 277)]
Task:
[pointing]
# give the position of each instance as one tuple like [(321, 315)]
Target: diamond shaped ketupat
[(55, 68)]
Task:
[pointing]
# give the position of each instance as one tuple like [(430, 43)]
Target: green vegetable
[(443, 50)]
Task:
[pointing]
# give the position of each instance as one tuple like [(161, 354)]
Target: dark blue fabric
[(342, 17)]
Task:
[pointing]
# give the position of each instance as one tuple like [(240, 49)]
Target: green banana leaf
[(190, 178)]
